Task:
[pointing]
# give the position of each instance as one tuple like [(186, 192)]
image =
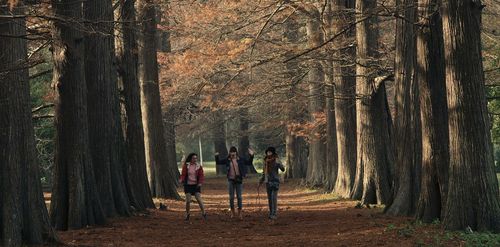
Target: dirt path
[(305, 218)]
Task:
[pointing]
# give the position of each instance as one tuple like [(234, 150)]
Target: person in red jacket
[(192, 177)]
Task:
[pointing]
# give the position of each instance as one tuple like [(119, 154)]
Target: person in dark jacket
[(270, 176), (236, 170), (192, 177)]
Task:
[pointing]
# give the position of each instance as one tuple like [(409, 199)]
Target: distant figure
[(236, 171), (270, 176), (192, 177)]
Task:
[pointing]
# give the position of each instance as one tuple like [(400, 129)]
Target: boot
[(240, 215)]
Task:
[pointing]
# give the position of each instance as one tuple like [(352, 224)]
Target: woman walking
[(192, 177), (236, 171), (270, 176)]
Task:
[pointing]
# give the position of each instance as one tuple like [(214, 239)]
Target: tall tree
[(345, 103), (168, 112), (75, 199), (317, 148), (106, 135), (331, 168), (162, 180), (244, 140), (23, 214), (374, 156), (219, 135), (434, 111), (473, 197), (127, 68), (407, 134), (296, 146)]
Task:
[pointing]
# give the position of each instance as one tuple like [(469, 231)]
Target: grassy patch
[(480, 239)]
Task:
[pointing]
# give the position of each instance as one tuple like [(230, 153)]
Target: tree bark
[(316, 169), (374, 156), (127, 68), (407, 131), (219, 134), (434, 112), (345, 103), (473, 196), (75, 200), (331, 168), (296, 146), (106, 135), (244, 141), (23, 215), (162, 180), (169, 125)]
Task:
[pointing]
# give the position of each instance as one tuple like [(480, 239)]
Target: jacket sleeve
[(249, 162), (201, 176), (282, 167), (183, 174)]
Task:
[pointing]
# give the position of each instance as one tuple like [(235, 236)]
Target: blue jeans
[(238, 188), (272, 197)]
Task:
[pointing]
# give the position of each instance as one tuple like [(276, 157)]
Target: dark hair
[(271, 149), (232, 149), (190, 157)]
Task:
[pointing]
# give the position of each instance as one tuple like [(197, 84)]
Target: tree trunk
[(162, 180), (219, 133), (127, 69), (317, 148), (23, 214), (106, 135), (374, 156), (345, 103), (331, 168), (244, 141), (296, 146), (169, 126), (407, 131), (75, 200), (434, 112), (473, 196)]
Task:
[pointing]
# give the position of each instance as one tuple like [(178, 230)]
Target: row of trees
[(381, 115), (395, 116), (107, 163)]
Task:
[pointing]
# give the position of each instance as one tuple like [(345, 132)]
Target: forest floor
[(305, 218)]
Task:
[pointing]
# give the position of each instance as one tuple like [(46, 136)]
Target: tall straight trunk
[(345, 103), (331, 168), (169, 114), (374, 157), (23, 214), (105, 129), (244, 140), (296, 146), (162, 180), (317, 148), (219, 134), (473, 197), (331, 137), (75, 199), (134, 134), (407, 134), (169, 125), (434, 112)]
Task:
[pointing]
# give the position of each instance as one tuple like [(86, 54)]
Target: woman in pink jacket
[(192, 177)]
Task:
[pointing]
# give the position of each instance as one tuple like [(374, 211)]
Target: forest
[(383, 114)]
